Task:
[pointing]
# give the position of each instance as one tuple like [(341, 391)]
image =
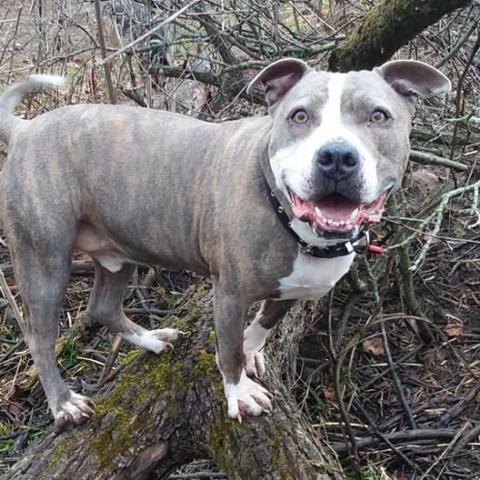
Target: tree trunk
[(385, 29), (162, 412)]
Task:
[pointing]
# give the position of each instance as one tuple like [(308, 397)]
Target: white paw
[(75, 411), (255, 364), (246, 398), (167, 334), (154, 340), (253, 343)]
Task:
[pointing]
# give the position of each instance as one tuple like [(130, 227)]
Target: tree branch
[(385, 29)]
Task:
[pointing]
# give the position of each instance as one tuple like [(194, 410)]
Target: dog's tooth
[(354, 213), (318, 211)]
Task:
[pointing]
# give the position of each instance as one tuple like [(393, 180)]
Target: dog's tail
[(14, 94)]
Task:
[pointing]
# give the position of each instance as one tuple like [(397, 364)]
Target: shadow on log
[(162, 412)]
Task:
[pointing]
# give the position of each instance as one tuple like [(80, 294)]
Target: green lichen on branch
[(131, 356), (58, 452), (168, 376), (385, 29), (221, 445)]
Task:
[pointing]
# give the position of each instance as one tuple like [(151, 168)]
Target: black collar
[(357, 245)]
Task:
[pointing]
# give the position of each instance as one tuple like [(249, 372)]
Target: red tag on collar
[(376, 249)]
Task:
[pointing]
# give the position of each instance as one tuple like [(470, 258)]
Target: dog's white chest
[(311, 277)]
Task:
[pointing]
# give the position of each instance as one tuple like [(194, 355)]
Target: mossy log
[(162, 412), (386, 28)]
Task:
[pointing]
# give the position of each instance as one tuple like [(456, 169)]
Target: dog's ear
[(278, 78), (413, 79)]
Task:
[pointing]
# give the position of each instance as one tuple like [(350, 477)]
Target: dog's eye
[(379, 116), (300, 116)]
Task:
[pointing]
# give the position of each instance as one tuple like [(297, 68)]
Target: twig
[(438, 214), (444, 453), (103, 49), (458, 408), (150, 32), (466, 439), (408, 436), (11, 301), (430, 159), (343, 412), (460, 99), (207, 475), (454, 50), (107, 368), (396, 379), (384, 437)]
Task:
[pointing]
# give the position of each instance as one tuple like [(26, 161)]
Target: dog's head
[(340, 141)]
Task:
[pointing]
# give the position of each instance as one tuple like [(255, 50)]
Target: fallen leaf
[(454, 327), (329, 393), (374, 346)]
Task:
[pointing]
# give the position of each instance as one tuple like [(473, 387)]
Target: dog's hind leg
[(254, 337), (42, 268), (105, 306)]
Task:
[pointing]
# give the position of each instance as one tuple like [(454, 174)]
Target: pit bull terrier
[(270, 208)]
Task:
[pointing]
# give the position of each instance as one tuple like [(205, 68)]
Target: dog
[(270, 208)]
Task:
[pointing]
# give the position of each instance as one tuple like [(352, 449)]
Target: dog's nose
[(337, 160)]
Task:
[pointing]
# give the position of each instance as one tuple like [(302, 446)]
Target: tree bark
[(162, 412), (385, 29)]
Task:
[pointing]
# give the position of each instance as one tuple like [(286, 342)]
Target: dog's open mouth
[(337, 214)]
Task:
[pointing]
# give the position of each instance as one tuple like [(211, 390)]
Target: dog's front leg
[(269, 314), (244, 396)]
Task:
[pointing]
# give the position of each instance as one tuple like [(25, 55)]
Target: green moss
[(164, 375), (367, 473), (212, 337), (280, 461), (179, 323), (206, 363), (161, 375), (6, 428), (7, 446), (131, 356), (61, 447), (220, 443)]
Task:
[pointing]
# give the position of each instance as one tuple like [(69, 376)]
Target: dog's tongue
[(335, 213), (336, 207)]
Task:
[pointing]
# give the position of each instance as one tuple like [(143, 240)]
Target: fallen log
[(163, 412)]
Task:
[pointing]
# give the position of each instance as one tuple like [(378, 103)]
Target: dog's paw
[(167, 334), (255, 363), (154, 340), (253, 343), (75, 411), (247, 398)]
